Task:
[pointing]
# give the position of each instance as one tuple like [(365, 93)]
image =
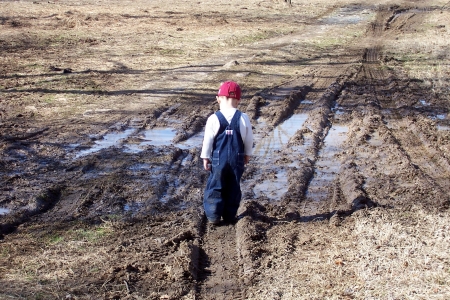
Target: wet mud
[(328, 145)]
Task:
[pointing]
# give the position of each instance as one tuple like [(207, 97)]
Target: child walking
[(227, 146)]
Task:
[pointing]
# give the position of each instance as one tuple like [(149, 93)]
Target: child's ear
[(218, 99)]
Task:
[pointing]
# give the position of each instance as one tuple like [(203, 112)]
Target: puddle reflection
[(276, 187), (4, 211), (109, 140), (140, 167), (133, 148), (158, 137), (347, 16), (132, 207), (424, 103), (152, 137), (194, 141), (279, 136), (327, 166)]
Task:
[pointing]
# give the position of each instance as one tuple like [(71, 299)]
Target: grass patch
[(49, 99), (55, 239), (253, 37), (91, 235), (4, 252), (170, 52)]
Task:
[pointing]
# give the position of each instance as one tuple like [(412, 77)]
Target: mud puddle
[(4, 211), (279, 137), (438, 117), (132, 207), (267, 151), (348, 16), (154, 137), (328, 164), (273, 188), (291, 148), (109, 140)]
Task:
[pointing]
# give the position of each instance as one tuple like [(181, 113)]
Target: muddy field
[(103, 105)]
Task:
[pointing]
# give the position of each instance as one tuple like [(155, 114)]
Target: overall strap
[(236, 128), (223, 121), (236, 118)]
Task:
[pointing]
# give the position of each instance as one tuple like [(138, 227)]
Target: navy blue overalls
[(223, 191)]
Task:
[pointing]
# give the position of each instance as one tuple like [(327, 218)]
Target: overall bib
[(223, 192)]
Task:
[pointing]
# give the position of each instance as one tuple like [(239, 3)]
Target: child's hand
[(207, 164)]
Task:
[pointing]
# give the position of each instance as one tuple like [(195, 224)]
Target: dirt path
[(219, 269), (346, 196)]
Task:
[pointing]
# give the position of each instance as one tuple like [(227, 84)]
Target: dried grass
[(58, 256), (425, 52), (376, 254)]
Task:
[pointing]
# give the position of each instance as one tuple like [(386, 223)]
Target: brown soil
[(350, 202)]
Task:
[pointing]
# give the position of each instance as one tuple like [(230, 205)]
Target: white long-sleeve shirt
[(212, 128)]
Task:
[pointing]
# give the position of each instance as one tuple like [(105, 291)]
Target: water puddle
[(4, 211), (132, 207), (158, 137), (153, 137), (266, 151), (274, 188), (424, 103), (437, 118), (279, 93), (172, 185), (133, 148), (327, 165), (279, 136), (109, 140), (347, 16), (440, 117), (338, 111), (187, 160), (164, 137), (140, 167), (194, 141)]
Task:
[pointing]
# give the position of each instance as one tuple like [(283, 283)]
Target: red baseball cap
[(230, 89)]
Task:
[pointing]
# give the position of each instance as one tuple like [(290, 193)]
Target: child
[(227, 146)]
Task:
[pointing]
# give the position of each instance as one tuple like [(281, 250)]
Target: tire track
[(422, 152), (316, 128), (219, 273), (41, 203), (390, 176), (428, 163)]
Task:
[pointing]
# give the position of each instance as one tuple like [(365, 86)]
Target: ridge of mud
[(315, 125), (130, 225), (45, 201)]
